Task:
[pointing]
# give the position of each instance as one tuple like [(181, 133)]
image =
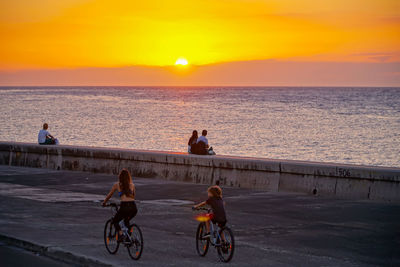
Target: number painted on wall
[(344, 172)]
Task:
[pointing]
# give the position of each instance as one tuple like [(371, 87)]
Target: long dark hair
[(125, 179), (193, 138)]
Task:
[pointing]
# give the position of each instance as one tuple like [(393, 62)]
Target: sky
[(235, 42)]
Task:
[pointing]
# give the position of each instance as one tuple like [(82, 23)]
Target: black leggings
[(127, 211)]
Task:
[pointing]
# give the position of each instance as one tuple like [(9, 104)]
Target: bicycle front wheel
[(226, 244), (202, 243), (110, 237), (135, 247)]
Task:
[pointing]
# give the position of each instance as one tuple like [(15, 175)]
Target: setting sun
[(181, 61)]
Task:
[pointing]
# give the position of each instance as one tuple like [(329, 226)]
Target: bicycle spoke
[(110, 238), (227, 245), (202, 243), (135, 246)]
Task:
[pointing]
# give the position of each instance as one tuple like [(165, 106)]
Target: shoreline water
[(344, 125)]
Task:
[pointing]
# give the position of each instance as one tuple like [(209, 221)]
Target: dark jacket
[(199, 148)]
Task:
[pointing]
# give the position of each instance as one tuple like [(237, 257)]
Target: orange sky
[(64, 34)]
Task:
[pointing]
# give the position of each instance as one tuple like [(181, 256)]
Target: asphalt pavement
[(60, 211), (12, 256)]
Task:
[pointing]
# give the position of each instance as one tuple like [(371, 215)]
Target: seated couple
[(199, 145), (45, 138)]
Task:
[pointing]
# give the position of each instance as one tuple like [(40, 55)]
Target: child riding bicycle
[(217, 206)]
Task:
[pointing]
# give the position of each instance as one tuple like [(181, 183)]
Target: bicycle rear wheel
[(202, 244), (135, 247), (110, 237), (227, 244)]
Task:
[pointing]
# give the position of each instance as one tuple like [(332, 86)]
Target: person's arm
[(113, 189), (201, 204), (48, 134)]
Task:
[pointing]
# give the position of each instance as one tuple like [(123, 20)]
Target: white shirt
[(42, 136), (202, 138)]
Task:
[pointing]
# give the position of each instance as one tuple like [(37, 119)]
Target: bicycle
[(220, 238), (132, 236)]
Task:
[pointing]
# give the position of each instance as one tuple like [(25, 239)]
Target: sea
[(343, 125)]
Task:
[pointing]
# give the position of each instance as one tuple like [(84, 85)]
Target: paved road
[(16, 257), (58, 209)]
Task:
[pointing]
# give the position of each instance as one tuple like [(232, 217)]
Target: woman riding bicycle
[(128, 208)]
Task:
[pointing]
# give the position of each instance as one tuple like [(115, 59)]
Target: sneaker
[(206, 235)]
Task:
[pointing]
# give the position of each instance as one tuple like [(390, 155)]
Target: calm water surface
[(347, 125)]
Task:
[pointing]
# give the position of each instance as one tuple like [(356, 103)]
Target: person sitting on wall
[(45, 138), (201, 147), (192, 141)]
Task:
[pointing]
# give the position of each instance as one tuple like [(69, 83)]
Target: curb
[(53, 252)]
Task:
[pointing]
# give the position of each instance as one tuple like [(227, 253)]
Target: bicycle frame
[(132, 237), (217, 236), (214, 234), (214, 228)]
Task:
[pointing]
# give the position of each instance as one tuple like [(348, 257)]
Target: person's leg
[(222, 236), (221, 226), (117, 218), (208, 227), (130, 214), (208, 234), (50, 141)]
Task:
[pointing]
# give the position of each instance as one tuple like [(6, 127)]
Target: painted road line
[(168, 202), (53, 195), (45, 194)]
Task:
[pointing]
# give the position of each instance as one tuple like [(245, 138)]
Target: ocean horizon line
[(204, 86)]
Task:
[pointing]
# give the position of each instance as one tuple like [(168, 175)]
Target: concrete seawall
[(340, 180)]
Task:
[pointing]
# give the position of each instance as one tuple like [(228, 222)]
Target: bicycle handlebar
[(206, 209)]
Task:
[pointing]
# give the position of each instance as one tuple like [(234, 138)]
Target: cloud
[(378, 56), (381, 58), (393, 19)]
